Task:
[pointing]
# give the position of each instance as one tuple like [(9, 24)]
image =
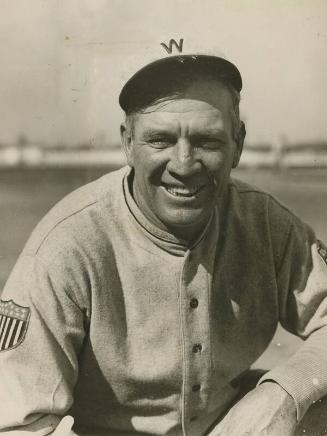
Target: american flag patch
[(13, 324), (322, 250)]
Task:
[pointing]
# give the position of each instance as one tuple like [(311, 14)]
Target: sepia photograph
[(163, 218)]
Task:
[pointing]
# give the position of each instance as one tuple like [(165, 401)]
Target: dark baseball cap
[(165, 62)]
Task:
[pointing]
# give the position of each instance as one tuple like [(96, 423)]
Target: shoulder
[(77, 213), (260, 211), (265, 221), (256, 201)]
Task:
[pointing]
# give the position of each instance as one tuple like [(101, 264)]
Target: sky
[(63, 62)]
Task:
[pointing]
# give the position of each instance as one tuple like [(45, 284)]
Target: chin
[(187, 220)]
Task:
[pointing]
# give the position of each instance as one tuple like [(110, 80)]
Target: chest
[(148, 305)]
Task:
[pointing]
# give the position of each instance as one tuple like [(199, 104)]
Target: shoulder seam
[(265, 194), (45, 267), (286, 237), (59, 222)]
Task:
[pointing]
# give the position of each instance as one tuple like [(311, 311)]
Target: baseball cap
[(167, 60)]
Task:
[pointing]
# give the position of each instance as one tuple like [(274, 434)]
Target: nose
[(183, 161)]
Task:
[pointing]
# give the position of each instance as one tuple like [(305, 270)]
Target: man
[(142, 299)]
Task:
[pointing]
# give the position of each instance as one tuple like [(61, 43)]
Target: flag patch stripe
[(2, 321), (11, 333), (4, 331), (18, 332), (11, 327)]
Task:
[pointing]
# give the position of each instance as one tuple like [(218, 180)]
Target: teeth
[(183, 192)]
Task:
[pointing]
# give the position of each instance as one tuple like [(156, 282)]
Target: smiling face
[(182, 151)]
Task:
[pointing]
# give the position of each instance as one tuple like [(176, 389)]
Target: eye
[(209, 143), (161, 141)]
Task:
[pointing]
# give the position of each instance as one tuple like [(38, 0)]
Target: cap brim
[(158, 69)]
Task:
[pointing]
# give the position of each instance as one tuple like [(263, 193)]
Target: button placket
[(196, 338)]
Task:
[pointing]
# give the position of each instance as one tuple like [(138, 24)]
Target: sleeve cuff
[(304, 393)]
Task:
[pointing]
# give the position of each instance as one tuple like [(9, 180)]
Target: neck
[(187, 235)]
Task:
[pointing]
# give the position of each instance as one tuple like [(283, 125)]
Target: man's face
[(182, 151)]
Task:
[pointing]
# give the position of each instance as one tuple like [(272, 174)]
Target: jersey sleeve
[(41, 333), (302, 287)]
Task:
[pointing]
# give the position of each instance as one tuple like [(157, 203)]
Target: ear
[(239, 143), (126, 139)]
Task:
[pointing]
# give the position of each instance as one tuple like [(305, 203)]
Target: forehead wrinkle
[(213, 120), (181, 105)]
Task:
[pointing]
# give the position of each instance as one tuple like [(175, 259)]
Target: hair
[(173, 84)]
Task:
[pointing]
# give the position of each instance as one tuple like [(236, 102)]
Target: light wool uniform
[(141, 300), (155, 333)]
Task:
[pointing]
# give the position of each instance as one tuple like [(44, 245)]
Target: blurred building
[(100, 153)]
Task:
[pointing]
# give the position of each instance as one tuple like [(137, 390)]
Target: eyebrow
[(210, 133), (165, 131), (154, 132), (213, 129)]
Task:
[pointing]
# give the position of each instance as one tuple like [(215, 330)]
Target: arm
[(302, 283), (38, 366), (285, 393), (266, 410)]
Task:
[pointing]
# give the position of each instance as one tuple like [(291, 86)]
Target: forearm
[(275, 416), (38, 426), (44, 426), (302, 376)]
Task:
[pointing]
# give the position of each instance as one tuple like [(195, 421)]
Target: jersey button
[(196, 388), (194, 303), (197, 348)]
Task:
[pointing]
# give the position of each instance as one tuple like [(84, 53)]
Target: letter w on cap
[(172, 42)]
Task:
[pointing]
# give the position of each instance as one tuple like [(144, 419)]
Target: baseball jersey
[(109, 319)]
